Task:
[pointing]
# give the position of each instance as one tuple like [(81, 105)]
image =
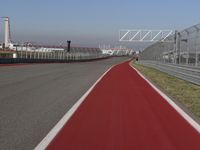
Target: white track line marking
[(191, 121), (55, 130)]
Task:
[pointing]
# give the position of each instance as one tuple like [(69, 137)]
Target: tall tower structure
[(7, 36)]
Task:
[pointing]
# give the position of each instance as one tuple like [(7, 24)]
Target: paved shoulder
[(33, 98)]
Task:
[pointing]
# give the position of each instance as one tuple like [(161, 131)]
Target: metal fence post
[(196, 49)]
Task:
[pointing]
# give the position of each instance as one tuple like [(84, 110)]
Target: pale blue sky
[(90, 22)]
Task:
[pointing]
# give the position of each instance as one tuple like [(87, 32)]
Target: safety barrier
[(191, 74)]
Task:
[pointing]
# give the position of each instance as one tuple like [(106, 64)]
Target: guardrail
[(191, 74)]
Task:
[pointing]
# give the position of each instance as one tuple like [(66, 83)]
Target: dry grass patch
[(186, 93)]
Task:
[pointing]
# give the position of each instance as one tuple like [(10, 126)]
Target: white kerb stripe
[(193, 123), (54, 131)]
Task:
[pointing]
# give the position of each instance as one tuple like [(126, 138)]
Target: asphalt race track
[(33, 98), (123, 112)]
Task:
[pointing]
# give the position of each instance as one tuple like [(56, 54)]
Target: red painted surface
[(123, 112), (7, 65), (12, 51)]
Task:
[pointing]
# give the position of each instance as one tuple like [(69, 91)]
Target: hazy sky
[(90, 22)]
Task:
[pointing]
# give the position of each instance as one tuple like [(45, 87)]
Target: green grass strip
[(186, 93)]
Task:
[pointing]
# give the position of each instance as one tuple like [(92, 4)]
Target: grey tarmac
[(33, 98)]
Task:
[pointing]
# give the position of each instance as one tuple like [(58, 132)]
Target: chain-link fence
[(179, 55), (181, 48)]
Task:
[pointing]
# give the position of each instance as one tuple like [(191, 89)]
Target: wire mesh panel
[(184, 48)]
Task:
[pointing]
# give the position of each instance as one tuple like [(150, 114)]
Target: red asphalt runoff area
[(7, 65), (123, 112)]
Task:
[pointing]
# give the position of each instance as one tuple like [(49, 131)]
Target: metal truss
[(127, 35)]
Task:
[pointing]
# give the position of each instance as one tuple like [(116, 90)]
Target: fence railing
[(179, 56), (33, 54), (184, 48), (191, 74)]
